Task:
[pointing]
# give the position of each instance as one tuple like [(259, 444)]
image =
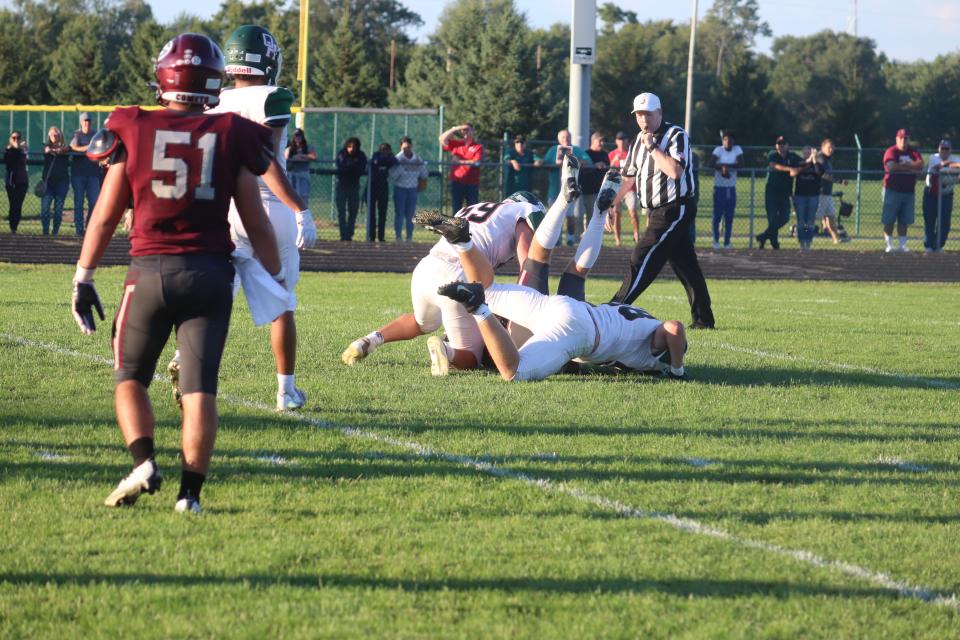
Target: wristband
[(279, 276), (463, 247), (481, 313), (83, 274)]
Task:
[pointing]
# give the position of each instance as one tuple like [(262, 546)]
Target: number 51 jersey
[(182, 168)]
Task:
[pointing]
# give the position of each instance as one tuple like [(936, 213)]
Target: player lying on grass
[(563, 328), (500, 231), (181, 167)]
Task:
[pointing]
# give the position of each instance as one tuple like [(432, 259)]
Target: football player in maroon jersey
[(181, 167)]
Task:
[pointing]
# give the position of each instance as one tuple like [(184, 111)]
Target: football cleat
[(453, 230), (357, 351), (187, 505), (569, 173), (469, 294), (669, 375), (291, 401), (144, 477), (173, 372), (609, 190), (439, 360)]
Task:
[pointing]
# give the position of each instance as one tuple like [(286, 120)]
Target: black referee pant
[(667, 239)]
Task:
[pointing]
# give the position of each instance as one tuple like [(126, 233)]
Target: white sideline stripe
[(902, 464), (700, 462), (939, 384), (278, 460), (687, 525), (48, 455)]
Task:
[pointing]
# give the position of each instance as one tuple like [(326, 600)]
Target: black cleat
[(609, 190), (469, 294), (569, 178), (453, 230), (669, 375)]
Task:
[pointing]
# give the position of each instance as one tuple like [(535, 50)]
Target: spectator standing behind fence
[(516, 171), (465, 174), (825, 209), (616, 159), (409, 177), (806, 196), (299, 156), (778, 190), (726, 159), (591, 178), (56, 180), (378, 191), (553, 158), (942, 170), (16, 179), (85, 174), (351, 166), (901, 165)]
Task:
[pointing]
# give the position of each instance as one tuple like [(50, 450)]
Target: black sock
[(190, 484), (142, 450)]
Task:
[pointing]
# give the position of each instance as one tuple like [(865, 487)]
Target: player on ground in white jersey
[(563, 328), (253, 60), (500, 231)]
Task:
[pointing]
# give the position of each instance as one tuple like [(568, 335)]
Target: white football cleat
[(357, 351), (609, 189), (439, 360), (144, 477), (187, 505), (291, 401)]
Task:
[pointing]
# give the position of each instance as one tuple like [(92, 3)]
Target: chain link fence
[(326, 130)]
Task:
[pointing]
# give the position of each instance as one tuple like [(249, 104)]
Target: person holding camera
[(15, 158), (465, 174), (56, 180), (553, 158)]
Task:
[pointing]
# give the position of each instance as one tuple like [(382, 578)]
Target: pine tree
[(343, 74)]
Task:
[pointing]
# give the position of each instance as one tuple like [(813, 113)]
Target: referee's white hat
[(646, 102)]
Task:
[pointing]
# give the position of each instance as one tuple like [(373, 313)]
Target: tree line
[(485, 64)]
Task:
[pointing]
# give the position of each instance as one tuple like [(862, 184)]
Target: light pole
[(688, 114)]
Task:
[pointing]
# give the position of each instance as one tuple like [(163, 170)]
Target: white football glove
[(306, 230)]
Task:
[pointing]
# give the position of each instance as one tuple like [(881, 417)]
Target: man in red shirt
[(901, 166), (465, 174), (181, 168)]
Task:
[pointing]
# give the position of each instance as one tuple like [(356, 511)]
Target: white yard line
[(903, 465), (824, 364), (687, 525)]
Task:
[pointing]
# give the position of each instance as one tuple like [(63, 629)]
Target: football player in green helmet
[(253, 60), (253, 51)]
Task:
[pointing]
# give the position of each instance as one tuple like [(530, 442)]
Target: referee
[(659, 166)]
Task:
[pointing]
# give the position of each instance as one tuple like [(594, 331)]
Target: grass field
[(802, 485)]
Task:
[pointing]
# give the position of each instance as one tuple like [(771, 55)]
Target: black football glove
[(469, 294), (85, 300)]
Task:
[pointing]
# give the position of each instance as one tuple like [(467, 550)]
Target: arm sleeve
[(679, 148)]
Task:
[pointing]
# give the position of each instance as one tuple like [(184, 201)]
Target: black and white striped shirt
[(654, 188)]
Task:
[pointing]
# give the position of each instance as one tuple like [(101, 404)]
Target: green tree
[(82, 72), (734, 25), (343, 74), (480, 65), (828, 83)]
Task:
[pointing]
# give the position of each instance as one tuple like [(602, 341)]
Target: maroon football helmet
[(189, 69)]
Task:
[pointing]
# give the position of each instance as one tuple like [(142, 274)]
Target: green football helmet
[(253, 51), (536, 216)]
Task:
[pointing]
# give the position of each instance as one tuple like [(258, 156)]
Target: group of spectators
[(406, 171), (64, 166)]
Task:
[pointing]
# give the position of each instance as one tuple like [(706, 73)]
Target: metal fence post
[(856, 139), (440, 159), (753, 184)]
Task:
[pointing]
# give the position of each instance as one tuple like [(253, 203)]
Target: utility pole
[(583, 48), (852, 19), (688, 114)]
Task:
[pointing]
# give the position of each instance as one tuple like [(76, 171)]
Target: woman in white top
[(407, 176), (726, 159)]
